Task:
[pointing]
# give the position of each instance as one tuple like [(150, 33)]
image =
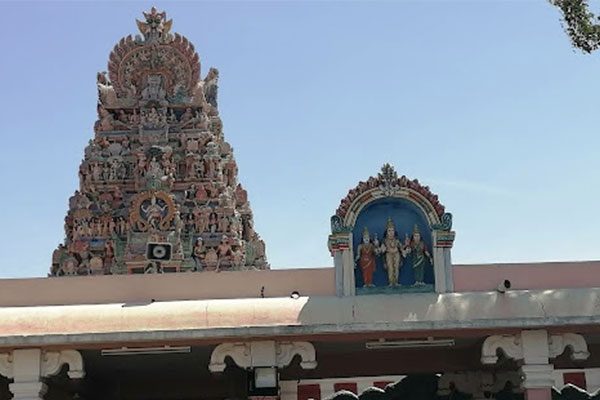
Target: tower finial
[(156, 28)]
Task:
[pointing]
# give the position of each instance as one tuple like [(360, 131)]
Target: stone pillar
[(27, 367), (27, 384), (533, 349), (536, 370)]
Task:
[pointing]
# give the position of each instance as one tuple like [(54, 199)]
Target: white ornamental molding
[(239, 352), (262, 354), (53, 361), (511, 346), (287, 350), (558, 343), (533, 345)]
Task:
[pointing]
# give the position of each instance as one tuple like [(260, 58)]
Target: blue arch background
[(405, 215)]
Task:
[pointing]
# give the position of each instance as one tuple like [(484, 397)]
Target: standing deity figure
[(420, 256), (198, 254), (393, 251), (365, 258)]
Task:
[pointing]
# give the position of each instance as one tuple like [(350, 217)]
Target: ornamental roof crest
[(157, 65)]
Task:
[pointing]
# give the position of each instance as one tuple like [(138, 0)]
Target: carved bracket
[(558, 343), (50, 364), (534, 347), (53, 361), (262, 354), (511, 345), (6, 365)]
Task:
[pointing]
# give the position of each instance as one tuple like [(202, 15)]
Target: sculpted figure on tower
[(158, 183)]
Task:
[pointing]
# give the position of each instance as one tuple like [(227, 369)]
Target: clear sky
[(484, 101)]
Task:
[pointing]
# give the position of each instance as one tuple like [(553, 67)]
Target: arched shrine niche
[(391, 235)]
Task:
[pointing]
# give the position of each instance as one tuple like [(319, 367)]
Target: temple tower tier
[(158, 183)]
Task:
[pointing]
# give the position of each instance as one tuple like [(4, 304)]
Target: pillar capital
[(537, 376)]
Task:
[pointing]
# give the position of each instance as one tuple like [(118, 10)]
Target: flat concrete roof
[(234, 319)]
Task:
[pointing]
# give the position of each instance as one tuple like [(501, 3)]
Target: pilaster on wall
[(442, 260), (340, 246), (533, 349), (26, 367)]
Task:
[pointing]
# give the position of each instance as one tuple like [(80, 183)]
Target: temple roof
[(158, 183)]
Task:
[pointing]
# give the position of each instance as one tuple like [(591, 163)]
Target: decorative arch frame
[(371, 195)]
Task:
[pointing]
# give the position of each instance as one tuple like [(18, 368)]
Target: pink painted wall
[(549, 275), (277, 283), (165, 287)]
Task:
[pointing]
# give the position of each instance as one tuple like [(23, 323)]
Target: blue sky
[(484, 101)]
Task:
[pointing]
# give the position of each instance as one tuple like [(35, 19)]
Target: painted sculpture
[(420, 256), (158, 183), (366, 253), (409, 220), (394, 252)]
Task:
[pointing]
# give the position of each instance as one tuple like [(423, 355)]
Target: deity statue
[(109, 253), (201, 194), (241, 196), (178, 225), (394, 251), (57, 257), (155, 168), (420, 256), (152, 118), (106, 93), (365, 258), (190, 194), (198, 254), (106, 121), (211, 259), (154, 91), (154, 212), (224, 250), (211, 86), (237, 258)]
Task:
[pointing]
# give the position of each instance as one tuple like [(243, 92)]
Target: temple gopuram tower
[(158, 183)]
